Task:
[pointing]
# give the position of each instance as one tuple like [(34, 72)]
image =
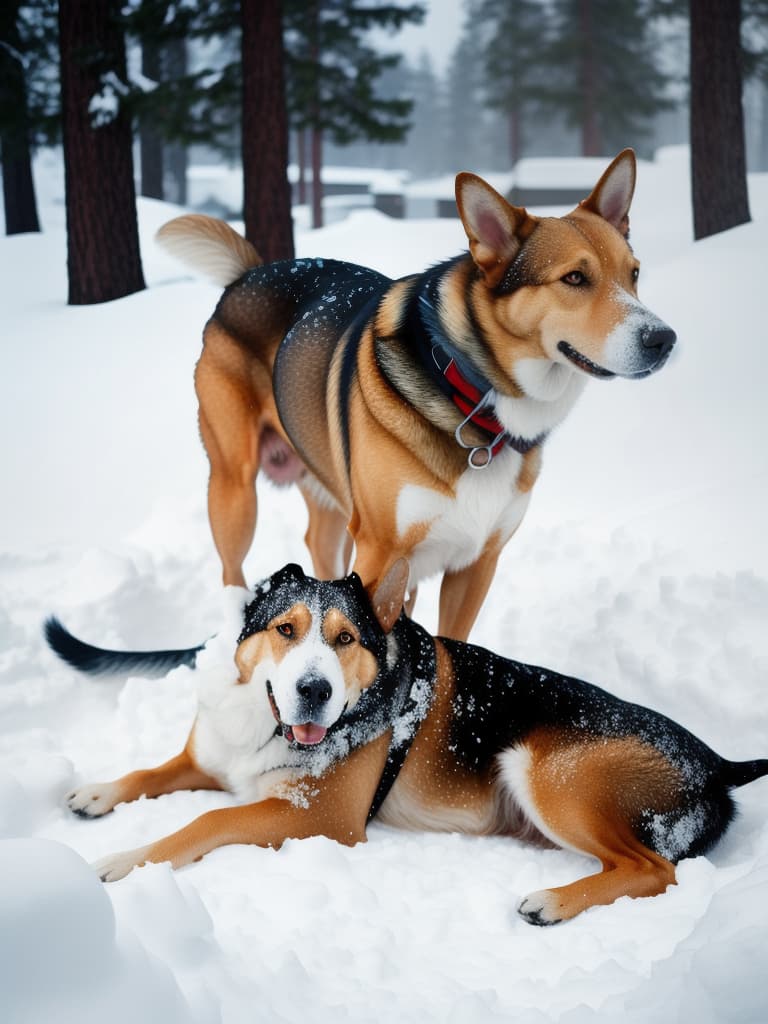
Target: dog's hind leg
[(585, 796), (229, 392), (181, 772)]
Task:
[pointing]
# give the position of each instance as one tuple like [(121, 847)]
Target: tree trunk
[(266, 191), (762, 150), (515, 134), (177, 161), (718, 152), (317, 178), (176, 152), (102, 234), (315, 130), (301, 161), (150, 141), (591, 141), (18, 184), (18, 187)]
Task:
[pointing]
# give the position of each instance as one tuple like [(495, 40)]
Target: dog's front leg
[(268, 823), (329, 542), (462, 594), (98, 798), (335, 805)]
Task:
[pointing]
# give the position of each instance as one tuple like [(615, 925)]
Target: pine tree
[(102, 234), (150, 140), (603, 71), (333, 72), (172, 104), (28, 102), (515, 74), (428, 133), (15, 147)]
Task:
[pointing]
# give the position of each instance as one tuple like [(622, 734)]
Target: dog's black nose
[(659, 338), (314, 690)]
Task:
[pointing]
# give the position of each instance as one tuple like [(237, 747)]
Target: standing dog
[(339, 708), (419, 407)]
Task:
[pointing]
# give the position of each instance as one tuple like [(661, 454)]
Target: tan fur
[(226, 380), (180, 772), (209, 244), (587, 795), (338, 810), (357, 663)]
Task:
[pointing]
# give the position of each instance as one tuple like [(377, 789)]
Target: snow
[(642, 565)]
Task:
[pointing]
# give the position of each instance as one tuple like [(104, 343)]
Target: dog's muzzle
[(314, 693), (651, 351)]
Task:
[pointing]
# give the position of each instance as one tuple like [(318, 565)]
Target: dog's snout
[(314, 690), (661, 339)]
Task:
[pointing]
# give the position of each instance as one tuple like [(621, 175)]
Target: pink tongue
[(309, 733)]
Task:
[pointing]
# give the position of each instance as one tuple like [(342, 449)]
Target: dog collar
[(471, 392)]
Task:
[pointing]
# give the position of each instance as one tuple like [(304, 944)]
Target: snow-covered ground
[(642, 565)]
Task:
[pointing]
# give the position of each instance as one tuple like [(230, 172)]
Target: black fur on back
[(498, 702)]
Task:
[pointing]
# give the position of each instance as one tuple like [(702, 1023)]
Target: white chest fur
[(234, 739), (485, 502), (488, 501)]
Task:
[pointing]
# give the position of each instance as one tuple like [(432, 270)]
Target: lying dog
[(418, 407), (341, 708)]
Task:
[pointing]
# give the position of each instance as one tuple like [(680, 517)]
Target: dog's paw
[(94, 800), (118, 865), (540, 908)]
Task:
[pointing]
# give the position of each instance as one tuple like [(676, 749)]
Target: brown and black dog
[(419, 407), (338, 708)]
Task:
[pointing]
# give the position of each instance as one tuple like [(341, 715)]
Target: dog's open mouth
[(307, 735), (595, 370), (583, 362)]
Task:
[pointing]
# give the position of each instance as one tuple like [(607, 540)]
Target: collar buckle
[(486, 452)]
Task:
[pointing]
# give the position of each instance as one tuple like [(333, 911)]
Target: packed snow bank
[(63, 959), (642, 565)]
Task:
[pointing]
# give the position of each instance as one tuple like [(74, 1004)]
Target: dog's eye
[(285, 629), (635, 274), (575, 278), (344, 638)]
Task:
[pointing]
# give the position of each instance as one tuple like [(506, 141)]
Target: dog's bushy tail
[(209, 246), (97, 661)]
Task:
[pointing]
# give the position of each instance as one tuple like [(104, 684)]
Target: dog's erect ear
[(612, 195), (389, 596), (292, 571), (495, 229)]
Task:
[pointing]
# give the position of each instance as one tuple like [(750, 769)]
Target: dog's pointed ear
[(495, 229), (292, 571), (612, 195), (388, 597)]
